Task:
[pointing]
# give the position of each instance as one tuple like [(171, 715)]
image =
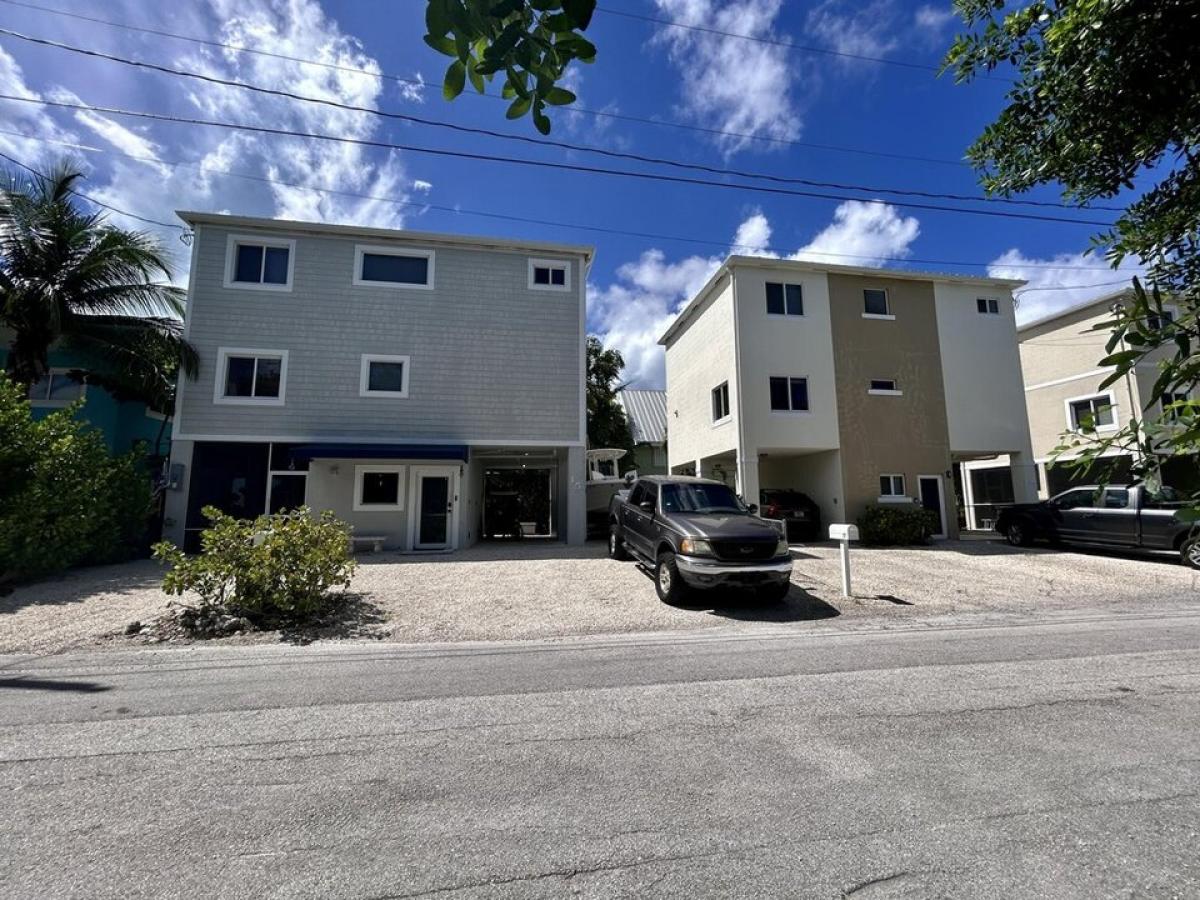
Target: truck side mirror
[(753, 509), (646, 505)]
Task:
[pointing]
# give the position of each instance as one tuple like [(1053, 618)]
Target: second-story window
[(784, 299), (987, 306), (875, 303), (383, 376), (1093, 413), (720, 402), (256, 263), (251, 377), (549, 275), (789, 394), (883, 386), (55, 388), (393, 267)]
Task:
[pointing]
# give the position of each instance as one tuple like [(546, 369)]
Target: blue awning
[(458, 452)]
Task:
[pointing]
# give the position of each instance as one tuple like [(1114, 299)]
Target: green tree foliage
[(607, 424), (64, 500), (1106, 97), (531, 41), (68, 277), (277, 568)]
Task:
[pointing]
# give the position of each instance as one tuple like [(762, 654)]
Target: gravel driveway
[(508, 592)]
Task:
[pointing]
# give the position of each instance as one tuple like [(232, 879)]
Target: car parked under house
[(427, 388)]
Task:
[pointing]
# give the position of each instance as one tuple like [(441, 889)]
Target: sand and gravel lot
[(513, 592)]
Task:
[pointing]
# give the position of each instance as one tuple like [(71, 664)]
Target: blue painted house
[(124, 424)]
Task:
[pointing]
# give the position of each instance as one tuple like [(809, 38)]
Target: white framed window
[(891, 489), (256, 263), (1171, 397), (383, 376), (1158, 321), (877, 304), (250, 377), (1095, 412), (784, 299), (393, 267), (720, 402), (379, 488), (56, 387), (549, 275), (789, 394), (885, 387), (987, 306)]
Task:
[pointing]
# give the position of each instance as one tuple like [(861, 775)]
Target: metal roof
[(647, 413)]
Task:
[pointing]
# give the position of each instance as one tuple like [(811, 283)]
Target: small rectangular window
[(891, 486), (549, 275), (720, 402), (383, 376), (55, 388), (378, 487), (1170, 412), (875, 302), (386, 267), (784, 299), (1091, 413), (789, 394), (883, 386), (260, 263), (251, 376), (988, 306)]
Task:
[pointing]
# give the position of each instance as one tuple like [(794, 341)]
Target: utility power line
[(458, 210), (525, 139), (418, 83), (545, 164)]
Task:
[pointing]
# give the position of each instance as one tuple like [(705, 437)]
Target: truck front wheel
[(616, 544), (1189, 553), (1019, 533), (668, 582)]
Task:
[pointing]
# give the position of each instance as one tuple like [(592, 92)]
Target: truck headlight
[(782, 548), (695, 547)]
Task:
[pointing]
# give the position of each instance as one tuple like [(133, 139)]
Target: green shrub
[(64, 499), (276, 568), (895, 524)]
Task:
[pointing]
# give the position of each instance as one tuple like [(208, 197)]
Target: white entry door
[(433, 514)]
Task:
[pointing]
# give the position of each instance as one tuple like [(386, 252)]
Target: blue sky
[(772, 103)]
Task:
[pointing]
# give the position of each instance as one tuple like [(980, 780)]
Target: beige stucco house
[(854, 385)]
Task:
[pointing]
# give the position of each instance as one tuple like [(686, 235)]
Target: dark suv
[(696, 533), (801, 516)]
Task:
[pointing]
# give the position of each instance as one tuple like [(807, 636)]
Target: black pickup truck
[(1117, 515), (695, 533)]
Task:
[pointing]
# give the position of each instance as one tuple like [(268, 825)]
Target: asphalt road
[(1056, 759)]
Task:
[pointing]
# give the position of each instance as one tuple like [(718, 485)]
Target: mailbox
[(843, 532)]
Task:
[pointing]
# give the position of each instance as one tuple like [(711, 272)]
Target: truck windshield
[(699, 498)]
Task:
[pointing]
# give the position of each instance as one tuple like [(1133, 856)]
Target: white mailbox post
[(844, 534)]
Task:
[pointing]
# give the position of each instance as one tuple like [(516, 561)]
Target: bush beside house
[(896, 524), (276, 569), (64, 499)]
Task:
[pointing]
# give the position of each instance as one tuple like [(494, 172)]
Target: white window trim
[(725, 419), (377, 250), (361, 471), (46, 403), (552, 264), (887, 300), (223, 354), (1099, 429), (895, 498), (259, 241), (803, 314), (789, 411), (988, 301), (365, 373), (884, 392)]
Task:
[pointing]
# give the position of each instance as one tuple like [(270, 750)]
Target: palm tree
[(67, 276)]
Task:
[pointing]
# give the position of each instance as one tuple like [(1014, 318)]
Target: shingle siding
[(490, 359)]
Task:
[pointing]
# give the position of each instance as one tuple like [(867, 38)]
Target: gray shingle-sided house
[(427, 388)]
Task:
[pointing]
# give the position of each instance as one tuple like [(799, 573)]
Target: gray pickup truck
[(1115, 515), (696, 534)]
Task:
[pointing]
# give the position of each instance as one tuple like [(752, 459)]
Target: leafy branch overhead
[(532, 42)]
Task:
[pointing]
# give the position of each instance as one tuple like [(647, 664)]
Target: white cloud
[(413, 93), (862, 30), (1060, 281), (24, 118), (733, 85), (862, 234), (125, 140), (632, 313), (933, 18), (422, 186)]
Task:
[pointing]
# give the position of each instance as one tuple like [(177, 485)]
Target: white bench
[(375, 541)]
